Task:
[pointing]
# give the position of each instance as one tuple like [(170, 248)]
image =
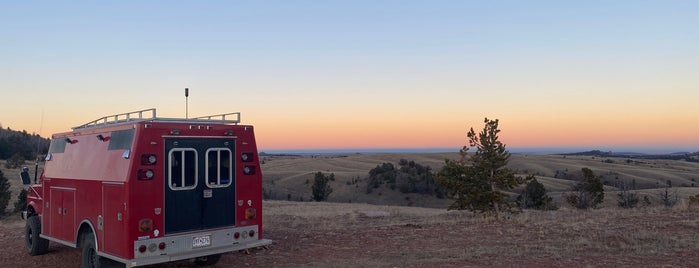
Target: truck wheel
[(207, 260), (35, 244), (90, 258)]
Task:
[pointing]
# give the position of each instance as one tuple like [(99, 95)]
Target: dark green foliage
[(467, 190), (384, 173), (534, 196), (21, 143), (416, 178), (321, 186), (409, 177), (5, 193), (589, 193), (477, 186), (21, 203)]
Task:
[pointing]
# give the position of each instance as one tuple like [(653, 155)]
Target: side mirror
[(25, 177)]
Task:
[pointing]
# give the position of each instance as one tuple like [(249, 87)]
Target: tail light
[(249, 170), (145, 174), (145, 225), (252, 233), (162, 245), (246, 157), (236, 235), (142, 248), (148, 159), (250, 214)]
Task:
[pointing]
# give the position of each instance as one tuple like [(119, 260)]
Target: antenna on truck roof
[(186, 103)]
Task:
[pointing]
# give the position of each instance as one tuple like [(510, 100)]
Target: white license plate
[(201, 241)]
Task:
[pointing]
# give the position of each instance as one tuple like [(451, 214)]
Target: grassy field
[(289, 177), (360, 235), (379, 230)]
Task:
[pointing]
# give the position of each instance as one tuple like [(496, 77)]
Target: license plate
[(201, 241)]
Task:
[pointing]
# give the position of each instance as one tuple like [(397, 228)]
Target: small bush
[(21, 203), (534, 196)]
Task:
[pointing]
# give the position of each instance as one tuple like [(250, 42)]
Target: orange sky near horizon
[(365, 74)]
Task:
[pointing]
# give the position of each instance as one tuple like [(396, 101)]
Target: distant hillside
[(21, 143), (688, 156), (290, 177)]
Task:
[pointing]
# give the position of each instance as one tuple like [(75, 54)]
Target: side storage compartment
[(62, 210), (112, 225)]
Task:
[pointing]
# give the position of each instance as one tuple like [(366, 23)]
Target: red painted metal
[(90, 187)]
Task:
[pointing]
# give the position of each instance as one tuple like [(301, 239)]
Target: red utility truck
[(139, 189)]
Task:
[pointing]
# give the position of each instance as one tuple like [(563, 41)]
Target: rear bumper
[(179, 247)]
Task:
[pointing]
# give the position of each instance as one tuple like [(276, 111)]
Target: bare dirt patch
[(358, 235)]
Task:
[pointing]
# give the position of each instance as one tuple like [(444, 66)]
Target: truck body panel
[(152, 189)]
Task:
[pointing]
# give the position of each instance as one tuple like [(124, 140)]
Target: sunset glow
[(365, 74)]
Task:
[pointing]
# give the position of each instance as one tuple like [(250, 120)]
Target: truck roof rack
[(150, 115)]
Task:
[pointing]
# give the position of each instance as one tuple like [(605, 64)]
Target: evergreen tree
[(477, 187), (321, 186), (5, 193), (534, 196), (589, 193), (21, 203)]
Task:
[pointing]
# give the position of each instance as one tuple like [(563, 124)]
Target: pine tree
[(589, 193), (21, 203), (477, 187), (5, 193), (321, 186), (534, 196)]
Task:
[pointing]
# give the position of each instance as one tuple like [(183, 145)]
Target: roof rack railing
[(149, 114), (120, 118), (233, 118)]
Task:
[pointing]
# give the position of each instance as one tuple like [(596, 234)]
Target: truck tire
[(35, 244), (207, 260), (90, 258)]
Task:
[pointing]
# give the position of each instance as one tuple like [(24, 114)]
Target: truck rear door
[(199, 183)]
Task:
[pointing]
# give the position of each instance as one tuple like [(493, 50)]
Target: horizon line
[(516, 150)]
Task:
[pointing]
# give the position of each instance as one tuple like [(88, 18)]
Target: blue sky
[(313, 74)]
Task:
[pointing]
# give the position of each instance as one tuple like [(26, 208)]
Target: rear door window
[(219, 162), (183, 169)]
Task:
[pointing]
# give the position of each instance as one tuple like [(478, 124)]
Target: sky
[(364, 74)]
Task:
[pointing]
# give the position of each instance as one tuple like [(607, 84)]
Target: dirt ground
[(356, 235)]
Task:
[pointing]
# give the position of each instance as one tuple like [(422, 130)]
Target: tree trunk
[(496, 205)]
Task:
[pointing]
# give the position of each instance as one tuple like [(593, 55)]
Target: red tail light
[(249, 170), (162, 245), (252, 233), (142, 248), (148, 159), (236, 235), (246, 157), (145, 174)]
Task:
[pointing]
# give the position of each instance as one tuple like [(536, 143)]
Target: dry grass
[(286, 176), (421, 237)]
